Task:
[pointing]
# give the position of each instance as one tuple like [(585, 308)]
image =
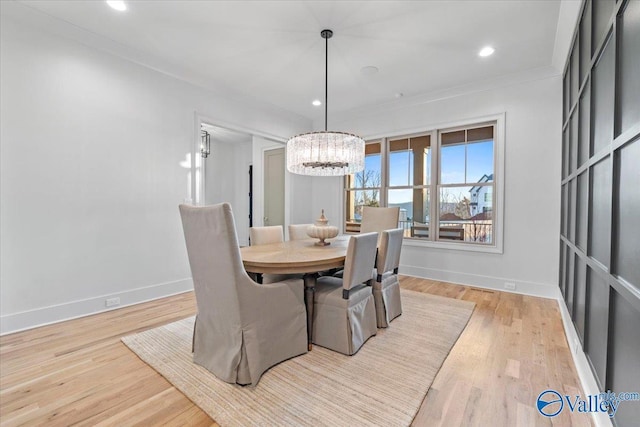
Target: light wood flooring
[(78, 372)]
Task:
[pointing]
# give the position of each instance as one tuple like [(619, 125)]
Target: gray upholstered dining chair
[(344, 309), (298, 231), (386, 287), (241, 328), (378, 219)]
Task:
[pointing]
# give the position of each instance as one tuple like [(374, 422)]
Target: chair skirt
[(387, 300), (344, 332)]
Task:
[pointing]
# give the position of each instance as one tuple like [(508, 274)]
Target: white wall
[(301, 199), (220, 174), (91, 146), (532, 173), (327, 194)]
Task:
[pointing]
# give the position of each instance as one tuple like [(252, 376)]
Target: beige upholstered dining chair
[(344, 309), (241, 328), (378, 219), (266, 235), (386, 288), (298, 231)]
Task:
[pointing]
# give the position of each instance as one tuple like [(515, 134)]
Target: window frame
[(498, 121)]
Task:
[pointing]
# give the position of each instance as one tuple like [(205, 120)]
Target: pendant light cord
[(326, 35), (326, 80)]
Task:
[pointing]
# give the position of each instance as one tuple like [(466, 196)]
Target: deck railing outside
[(462, 230)]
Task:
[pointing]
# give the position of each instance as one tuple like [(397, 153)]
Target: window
[(409, 176), (442, 180), (363, 188), (465, 185)]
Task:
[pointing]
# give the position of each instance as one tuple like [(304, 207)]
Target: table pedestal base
[(309, 291)]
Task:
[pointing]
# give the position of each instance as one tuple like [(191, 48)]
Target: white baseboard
[(587, 379), (29, 319), (487, 282)]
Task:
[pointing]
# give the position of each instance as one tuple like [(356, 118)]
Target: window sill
[(470, 247)]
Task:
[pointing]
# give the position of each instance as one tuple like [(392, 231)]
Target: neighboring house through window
[(481, 197)]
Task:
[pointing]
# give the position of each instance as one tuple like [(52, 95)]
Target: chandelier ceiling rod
[(326, 35)]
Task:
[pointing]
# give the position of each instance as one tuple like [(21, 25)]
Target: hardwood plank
[(78, 372)]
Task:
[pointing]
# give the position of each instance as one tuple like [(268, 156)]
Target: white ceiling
[(272, 52)]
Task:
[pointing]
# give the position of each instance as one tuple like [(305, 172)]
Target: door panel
[(274, 187)]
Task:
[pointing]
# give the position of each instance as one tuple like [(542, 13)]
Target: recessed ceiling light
[(117, 5), (369, 70), (486, 51), (317, 102)]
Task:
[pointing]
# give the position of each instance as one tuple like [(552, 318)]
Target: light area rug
[(382, 385)]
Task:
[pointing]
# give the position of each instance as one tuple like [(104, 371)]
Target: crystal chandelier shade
[(325, 153)]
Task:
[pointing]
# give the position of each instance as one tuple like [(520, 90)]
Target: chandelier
[(325, 153)]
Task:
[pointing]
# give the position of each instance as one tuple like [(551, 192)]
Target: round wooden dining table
[(297, 257)]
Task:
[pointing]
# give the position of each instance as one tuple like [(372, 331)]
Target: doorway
[(225, 176)]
